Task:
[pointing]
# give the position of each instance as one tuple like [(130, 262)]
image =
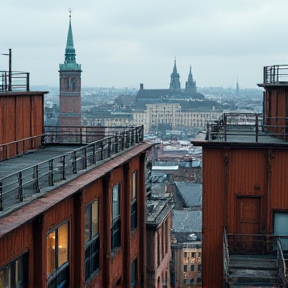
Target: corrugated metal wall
[(21, 116), (236, 173)]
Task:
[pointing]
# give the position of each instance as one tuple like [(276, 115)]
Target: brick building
[(158, 231), (70, 215), (70, 85)]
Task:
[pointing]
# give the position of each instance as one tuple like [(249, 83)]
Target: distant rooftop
[(187, 221), (191, 194), (156, 211)]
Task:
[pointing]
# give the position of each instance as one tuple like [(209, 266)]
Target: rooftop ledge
[(245, 129), (67, 153)]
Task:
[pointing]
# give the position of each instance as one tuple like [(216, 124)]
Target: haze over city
[(124, 43)]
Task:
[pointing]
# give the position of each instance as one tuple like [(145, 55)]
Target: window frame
[(63, 269), (134, 210), (92, 245), (11, 267), (116, 218)]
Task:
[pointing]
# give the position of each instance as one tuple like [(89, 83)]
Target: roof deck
[(65, 155), (246, 129), (275, 75)]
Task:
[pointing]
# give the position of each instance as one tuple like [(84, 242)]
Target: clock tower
[(70, 85)]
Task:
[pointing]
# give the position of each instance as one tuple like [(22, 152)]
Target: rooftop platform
[(65, 155), (246, 129)]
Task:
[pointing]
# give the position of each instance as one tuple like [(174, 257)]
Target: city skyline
[(123, 44)]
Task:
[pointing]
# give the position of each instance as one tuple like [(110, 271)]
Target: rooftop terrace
[(248, 128), (66, 154)]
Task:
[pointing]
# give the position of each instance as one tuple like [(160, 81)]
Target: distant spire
[(70, 56), (175, 68), (190, 84), (175, 78)]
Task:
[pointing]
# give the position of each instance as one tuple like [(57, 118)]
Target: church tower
[(190, 84), (175, 78), (70, 85)]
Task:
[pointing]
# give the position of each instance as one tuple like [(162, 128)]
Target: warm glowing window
[(57, 256)]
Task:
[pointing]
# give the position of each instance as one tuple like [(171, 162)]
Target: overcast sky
[(123, 43)]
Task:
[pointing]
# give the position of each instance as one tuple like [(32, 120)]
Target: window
[(192, 281), (199, 267), (133, 272), (116, 218), (192, 267), (91, 234), (57, 257), (199, 280), (185, 268), (185, 254), (193, 254), (15, 273), (134, 201)]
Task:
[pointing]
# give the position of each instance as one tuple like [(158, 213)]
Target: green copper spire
[(70, 55)]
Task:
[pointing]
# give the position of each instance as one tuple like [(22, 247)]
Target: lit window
[(134, 201), (92, 245), (15, 273), (57, 257), (116, 218)]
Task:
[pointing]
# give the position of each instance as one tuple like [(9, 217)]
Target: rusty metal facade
[(21, 122), (69, 202)]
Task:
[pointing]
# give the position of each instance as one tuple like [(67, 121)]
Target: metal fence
[(15, 187), (249, 126), (16, 81), (275, 74)]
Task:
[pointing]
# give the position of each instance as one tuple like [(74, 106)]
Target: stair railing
[(226, 258), (282, 264)]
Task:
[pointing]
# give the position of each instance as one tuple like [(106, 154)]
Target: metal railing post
[(94, 153), (74, 163), (20, 187), (36, 179), (63, 167), (51, 182), (1, 196)]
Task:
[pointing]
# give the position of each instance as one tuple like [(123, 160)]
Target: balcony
[(257, 260), (14, 82), (275, 75), (66, 153), (248, 128)]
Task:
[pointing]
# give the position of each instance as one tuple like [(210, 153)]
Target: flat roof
[(37, 204)]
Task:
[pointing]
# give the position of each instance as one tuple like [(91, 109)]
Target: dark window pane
[(87, 215)]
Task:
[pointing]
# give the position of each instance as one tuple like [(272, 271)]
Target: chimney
[(141, 86)]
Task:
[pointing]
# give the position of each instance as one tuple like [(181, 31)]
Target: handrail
[(226, 257), (32, 180), (282, 264), (19, 81), (17, 147), (247, 124), (275, 74)]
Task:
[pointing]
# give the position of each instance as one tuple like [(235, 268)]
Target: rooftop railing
[(17, 81), (276, 74), (14, 188), (247, 127)]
